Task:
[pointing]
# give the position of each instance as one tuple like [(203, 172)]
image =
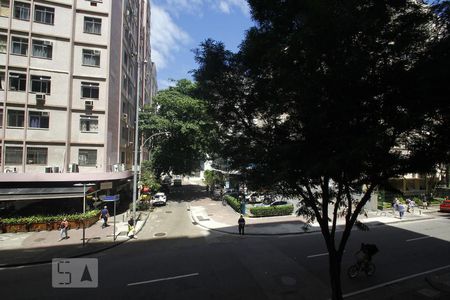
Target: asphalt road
[(174, 259)]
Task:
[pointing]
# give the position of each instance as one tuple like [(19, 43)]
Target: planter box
[(14, 228), (38, 227)]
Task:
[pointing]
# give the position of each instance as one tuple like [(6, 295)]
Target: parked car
[(278, 202), (445, 206), (159, 199), (177, 181)]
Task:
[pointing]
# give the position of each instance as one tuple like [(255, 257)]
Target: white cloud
[(197, 7), (224, 7), (166, 37)]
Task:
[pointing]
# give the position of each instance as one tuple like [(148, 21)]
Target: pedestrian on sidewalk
[(401, 210), (241, 225), (63, 228), (131, 228), (104, 215)]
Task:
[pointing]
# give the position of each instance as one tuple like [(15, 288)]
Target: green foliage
[(141, 205), (192, 132), (270, 211), (148, 177), (50, 219), (213, 178), (233, 202)]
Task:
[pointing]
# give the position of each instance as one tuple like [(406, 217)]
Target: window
[(89, 90), (40, 84), (37, 156), (19, 45), (88, 124), (42, 49), (87, 157), (15, 118), (92, 25), (2, 81), (3, 41), (1, 117), (44, 14), (17, 81), (38, 119), (91, 57), (22, 11), (13, 155), (4, 8)]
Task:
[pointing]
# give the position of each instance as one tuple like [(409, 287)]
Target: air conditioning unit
[(11, 170), (73, 168), (48, 169), (89, 104), (96, 52), (45, 114), (48, 43), (40, 99)]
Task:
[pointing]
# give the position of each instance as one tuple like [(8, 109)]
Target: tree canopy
[(189, 127), (325, 97)]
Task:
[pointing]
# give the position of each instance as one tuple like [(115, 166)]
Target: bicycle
[(365, 266), (364, 261)]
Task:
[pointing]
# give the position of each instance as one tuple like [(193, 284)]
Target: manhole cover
[(168, 212), (39, 239), (160, 234)]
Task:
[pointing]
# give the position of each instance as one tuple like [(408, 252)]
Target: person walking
[(104, 215), (64, 227), (241, 225), (131, 228), (401, 210)]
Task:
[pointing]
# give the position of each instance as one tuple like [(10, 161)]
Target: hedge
[(49, 219), (269, 211), (233, 202)]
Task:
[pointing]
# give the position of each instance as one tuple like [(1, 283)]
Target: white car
[(159, 199)]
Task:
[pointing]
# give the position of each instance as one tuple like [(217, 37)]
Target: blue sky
[(178, 26)]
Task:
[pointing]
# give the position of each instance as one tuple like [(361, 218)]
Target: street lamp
[(84, 185)]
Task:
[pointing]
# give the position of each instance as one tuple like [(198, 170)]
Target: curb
[(198, 223), (115, 244)]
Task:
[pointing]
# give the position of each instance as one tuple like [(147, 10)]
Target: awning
[(15, 194)]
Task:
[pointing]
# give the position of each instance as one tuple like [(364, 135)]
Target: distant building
[(68, 90)]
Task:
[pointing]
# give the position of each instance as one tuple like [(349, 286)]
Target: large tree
[(325, 98), (190, 129)]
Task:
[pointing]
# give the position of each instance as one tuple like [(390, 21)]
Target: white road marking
[(394, 281), (316, 255), (163, 279), (419, 238)]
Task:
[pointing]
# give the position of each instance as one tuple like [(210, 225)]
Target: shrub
[(269, 211), (233, 202), (140, 205), (49, 219)]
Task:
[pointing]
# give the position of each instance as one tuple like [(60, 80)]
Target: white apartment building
[(68, 90)]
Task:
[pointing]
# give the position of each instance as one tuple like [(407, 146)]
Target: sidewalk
[(213, 215), (26, 248)]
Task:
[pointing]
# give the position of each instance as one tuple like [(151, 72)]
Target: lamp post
[(84, 185)]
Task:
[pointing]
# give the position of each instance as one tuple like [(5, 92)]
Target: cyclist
[(365, 254)]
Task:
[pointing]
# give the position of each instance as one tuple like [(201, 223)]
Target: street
[(174, 259)]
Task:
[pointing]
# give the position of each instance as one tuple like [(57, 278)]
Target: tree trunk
[(335, 274)]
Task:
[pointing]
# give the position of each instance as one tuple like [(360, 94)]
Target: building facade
[(69, 88)]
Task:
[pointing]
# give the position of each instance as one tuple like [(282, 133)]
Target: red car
[(445, 206)]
